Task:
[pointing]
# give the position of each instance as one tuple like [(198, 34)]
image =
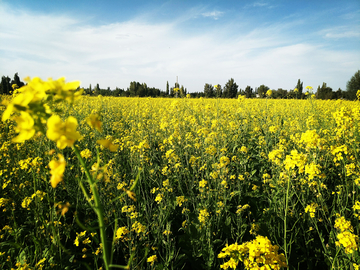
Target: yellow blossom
[(108, 144), (57, 170), (25, 127), (63, 133), (94, 121), (121, 232), (203, 216), (152, 259)]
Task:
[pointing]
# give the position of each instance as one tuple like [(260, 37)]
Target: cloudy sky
[(114, 42)]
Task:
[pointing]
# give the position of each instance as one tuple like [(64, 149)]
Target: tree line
[(229, 90)]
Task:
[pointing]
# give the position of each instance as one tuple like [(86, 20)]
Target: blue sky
[(115, 42)]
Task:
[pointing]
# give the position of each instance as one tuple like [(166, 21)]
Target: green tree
[(230, 89), (209, 90), (167, 88), (280, 93), (324, 92), (17, 81), (353, 85), (299, 87), (218, 91), (97, 90), (5, 85), (248, 92), (261, 90), (182, 91)]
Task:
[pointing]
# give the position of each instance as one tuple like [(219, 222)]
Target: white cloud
[(115, 54), (345, 34), (213, 14), (259, 5)]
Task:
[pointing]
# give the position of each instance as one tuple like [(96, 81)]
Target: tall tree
[(209, 90), (218, 91), (167, 88), (353, 85), (324, 92), (5, 85), (17, 81), (299, 87), (182, 91), (230, 89), (261, 90), (248, 92), (97, 90)]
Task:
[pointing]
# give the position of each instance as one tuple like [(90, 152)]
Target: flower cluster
[(30, 107), (346, 237), (256, 254)]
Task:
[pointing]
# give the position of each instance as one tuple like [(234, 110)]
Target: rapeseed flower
[(311, 209), (348, 240), (346, 237), (63, 133), (57, 168), (108, 144), (203, 216), (152, 259), (121, 232), (25, 127), (93, 121), (256, 254)]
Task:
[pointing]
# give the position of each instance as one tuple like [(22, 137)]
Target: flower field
[(160, 183)]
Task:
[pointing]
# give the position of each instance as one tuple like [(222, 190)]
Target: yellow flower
[(131, 195), (57, 170), (309, 88), (25, 203), (121, 232), (152, 259), (86, 153), (224, 161), (256, 254), (65, 91), (108, 144), (311, 209), (63, 133), (180, 200), (203, 215), (343, 225), (202, 183), (312, 170), (349, 241), (64, 208), (269, 93), (94, 122), (25, 127), (78, 236), (138, 227), (159, 198)]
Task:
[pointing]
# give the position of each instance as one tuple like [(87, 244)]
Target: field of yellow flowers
[(152, 183)]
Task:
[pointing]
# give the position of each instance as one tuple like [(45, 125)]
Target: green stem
[(98, 209), (285, 228)]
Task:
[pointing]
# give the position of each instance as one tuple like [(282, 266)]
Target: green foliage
[(209, 90), (353, 85), (324, 92), (261, 90), (249, 92), (230, 89)]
